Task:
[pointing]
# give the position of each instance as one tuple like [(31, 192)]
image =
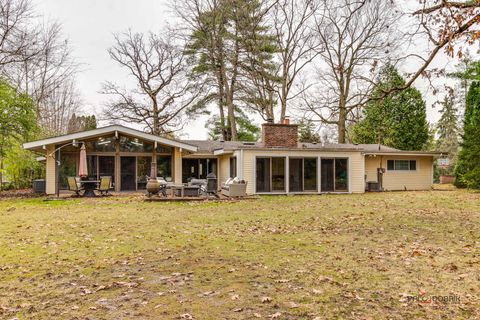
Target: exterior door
[(127, 173)]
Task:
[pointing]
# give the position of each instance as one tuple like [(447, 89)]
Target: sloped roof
[(105, 131)]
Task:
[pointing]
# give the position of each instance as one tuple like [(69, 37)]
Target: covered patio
[(124, 154)]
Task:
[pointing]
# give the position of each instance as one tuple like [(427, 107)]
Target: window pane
[(263, 174), (128, 144), (413, 165), (92, 167), (390, 165), (402, 165), (163, 149), (102, 144), (341, 175), (295, 177), (106, 167), (233, 167), (327, 180), (164, 167), (278, 174), (143, 171), (190, 169), (310, 174), (68, 168)]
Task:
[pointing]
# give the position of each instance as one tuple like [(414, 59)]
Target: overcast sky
[(89, 25)]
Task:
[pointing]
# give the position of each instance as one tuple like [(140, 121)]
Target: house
[(278, 164)]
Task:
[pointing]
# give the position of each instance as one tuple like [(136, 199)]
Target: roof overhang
[(220, 152), (114, 129), (407, 153)]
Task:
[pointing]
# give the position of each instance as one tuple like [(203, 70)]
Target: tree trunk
[(221, 105), (284, 94), (156, 121), (342, 120)]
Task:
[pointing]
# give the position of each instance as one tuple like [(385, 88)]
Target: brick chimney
[(280, 134)]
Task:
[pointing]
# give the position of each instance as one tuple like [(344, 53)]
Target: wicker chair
[(74, 186), (105, 185)]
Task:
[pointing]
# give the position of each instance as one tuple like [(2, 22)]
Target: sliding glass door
[(302, 174), (334, 175), (263, 175), (270, 174)]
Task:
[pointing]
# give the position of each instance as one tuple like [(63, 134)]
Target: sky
[(89, 25)]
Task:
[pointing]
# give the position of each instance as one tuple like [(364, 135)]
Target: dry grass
[(303, 257)]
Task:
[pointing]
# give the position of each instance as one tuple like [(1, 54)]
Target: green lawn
[(302, 257)]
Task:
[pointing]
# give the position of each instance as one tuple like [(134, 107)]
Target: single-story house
[(278, 164)]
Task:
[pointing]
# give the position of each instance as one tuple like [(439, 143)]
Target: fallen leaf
[(266, 299)]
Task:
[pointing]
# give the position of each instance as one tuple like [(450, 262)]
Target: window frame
[(395, 169)]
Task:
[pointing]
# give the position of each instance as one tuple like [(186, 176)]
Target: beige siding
[(356, 165), (223, 169), (421, 179), (51, 175), (177, 166)]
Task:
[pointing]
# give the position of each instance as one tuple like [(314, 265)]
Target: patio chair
[(105, 185), (235, 189), (74, 186)]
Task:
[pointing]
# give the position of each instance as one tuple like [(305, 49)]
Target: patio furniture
[(74, 186), (212, 183), (235, 189), (89, 186), (177, 190), (197, 182), (191, 191), (105, 185)]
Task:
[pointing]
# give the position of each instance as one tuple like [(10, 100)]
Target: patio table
[(89, 187), (176, 188)]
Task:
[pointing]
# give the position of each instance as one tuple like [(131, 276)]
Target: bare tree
[(16, 32), (293, 25), (163, 95), (356, 37), (59, 106), (48, 76), (36, 59)]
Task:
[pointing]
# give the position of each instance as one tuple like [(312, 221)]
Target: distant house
[(278, 164)]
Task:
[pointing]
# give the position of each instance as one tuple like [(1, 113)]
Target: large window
[(197, 168), (233, 167), (68, 168), (164, 167), (102, 144), (303, 174), (128, 144), (401, 165), (334, 175), (144, 165), (106, 167), (270, 174)]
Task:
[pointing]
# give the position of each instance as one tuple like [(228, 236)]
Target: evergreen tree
[(448, 130), (398, 120), (229, 43), (306, 131), (467, 171), (247, 130)]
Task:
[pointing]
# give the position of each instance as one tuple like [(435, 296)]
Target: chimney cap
[(270, 120)]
